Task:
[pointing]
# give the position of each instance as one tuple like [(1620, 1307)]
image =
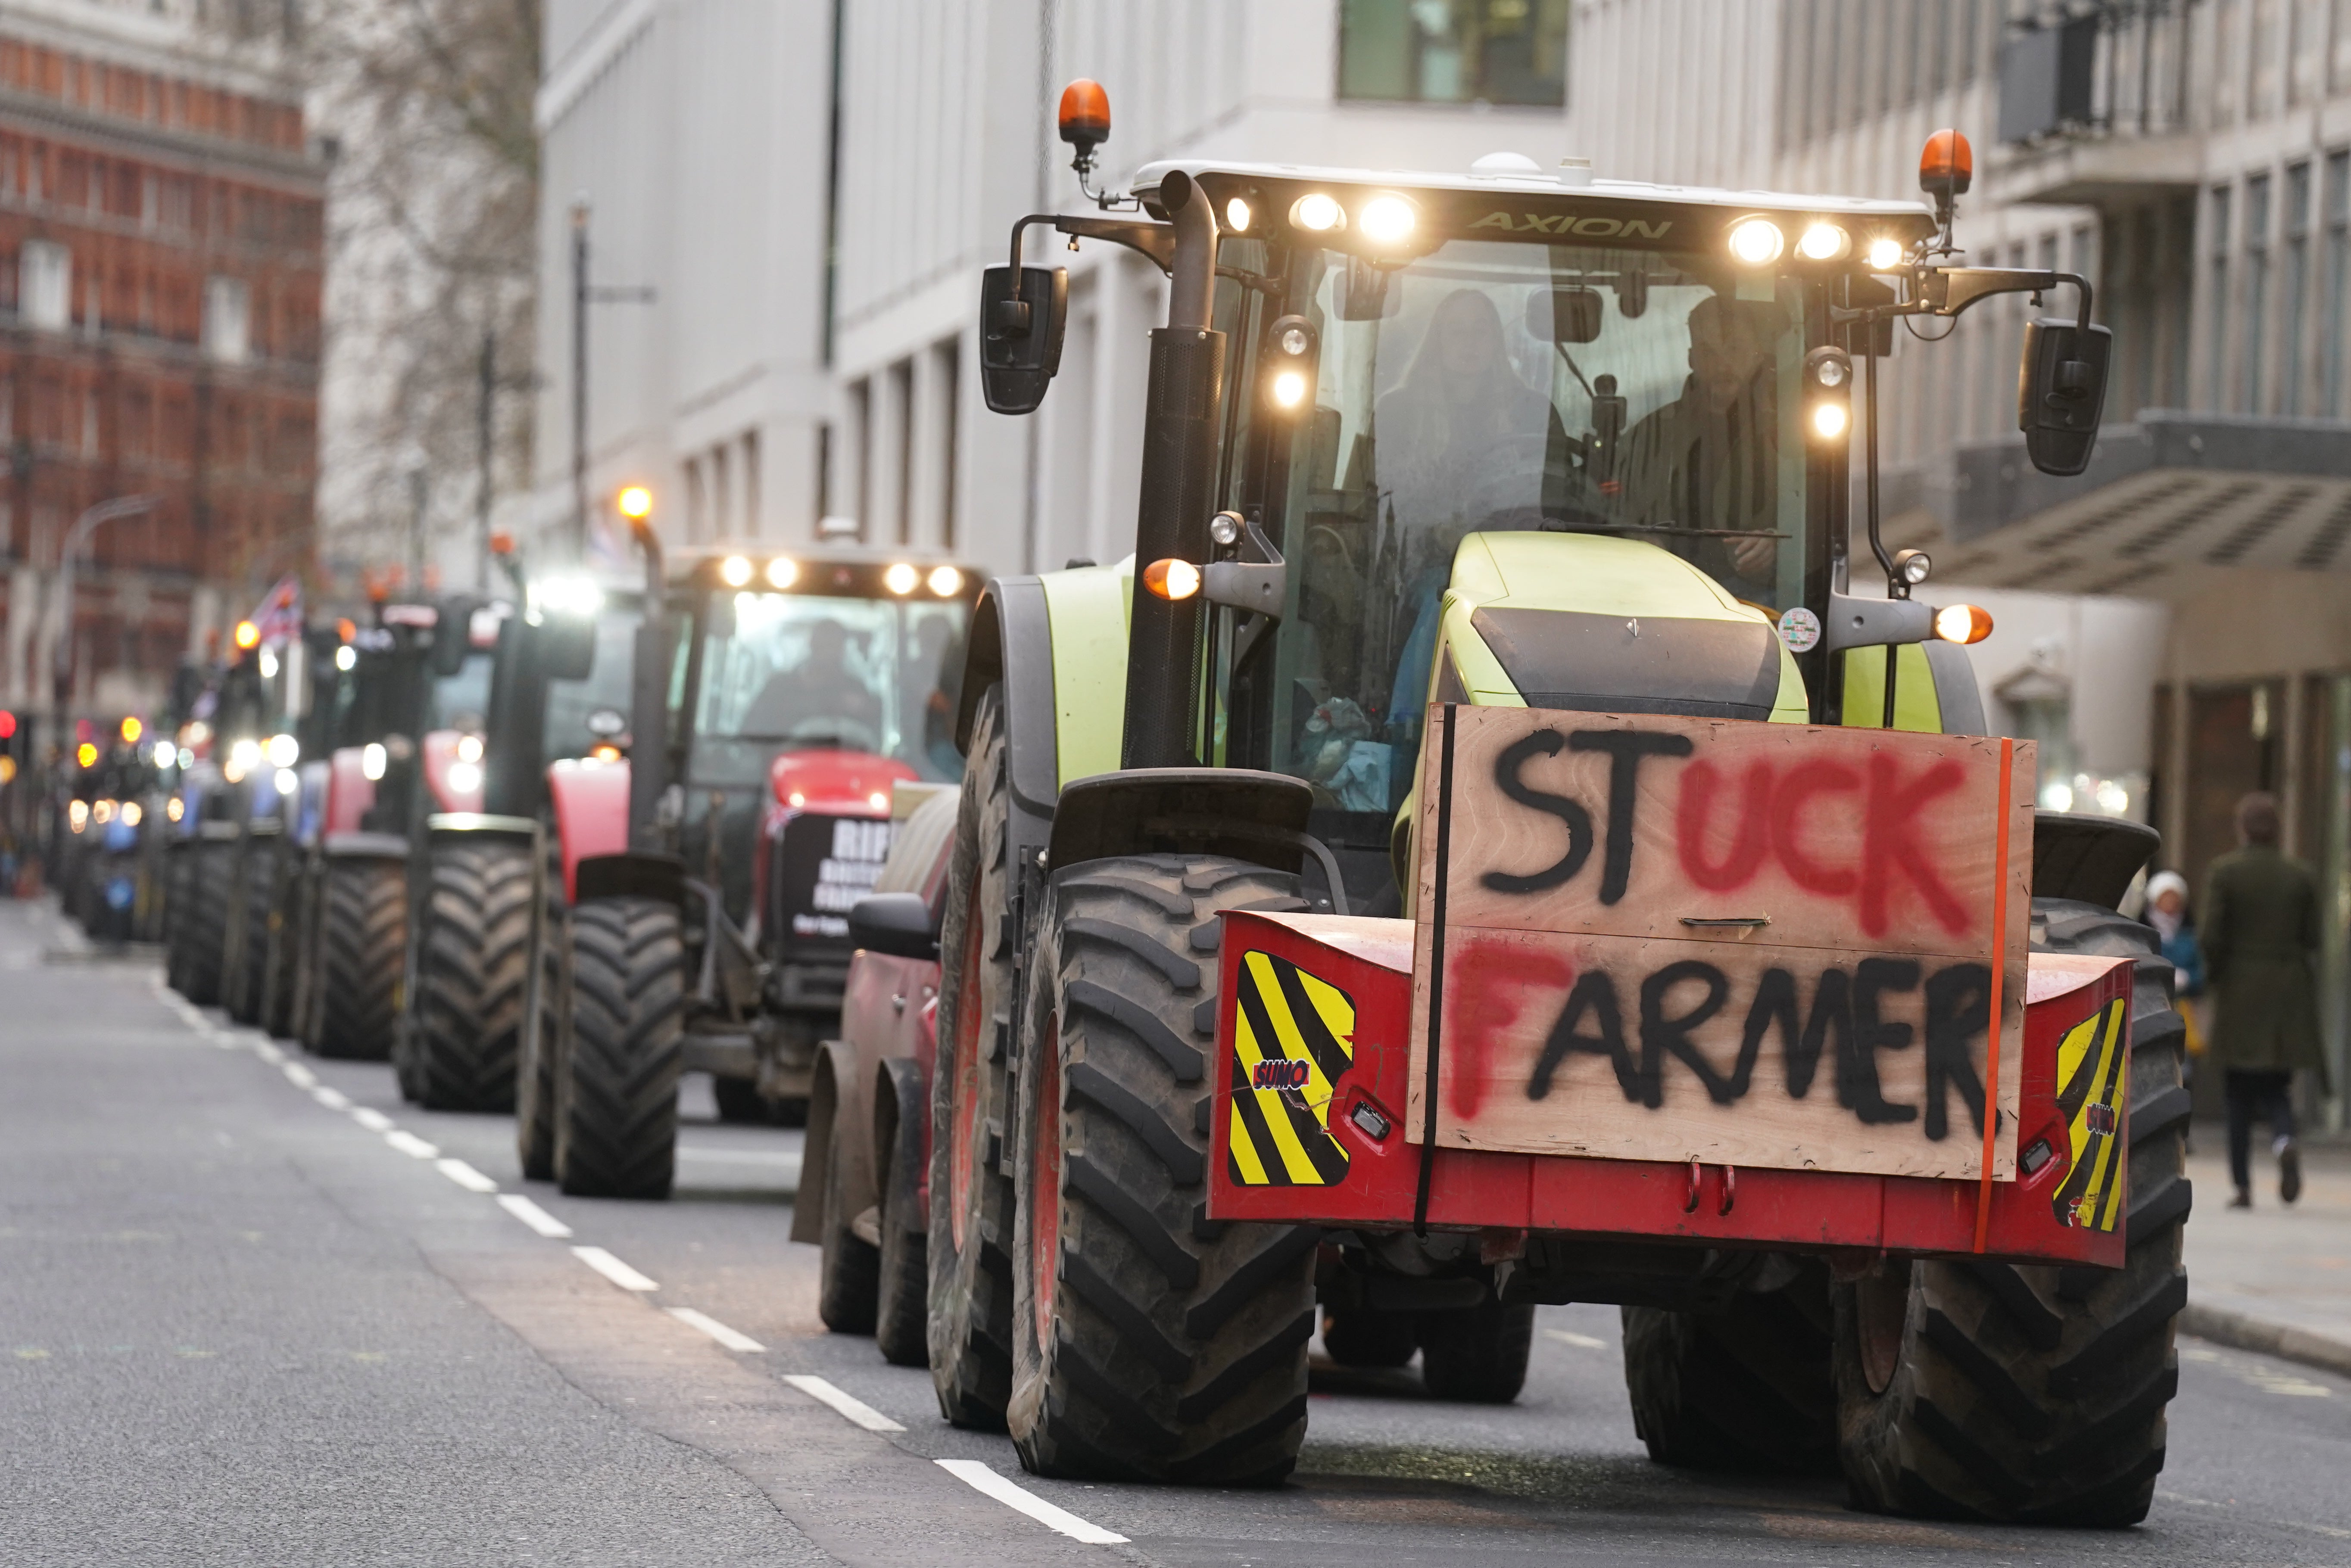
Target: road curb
[(2240, 1332)]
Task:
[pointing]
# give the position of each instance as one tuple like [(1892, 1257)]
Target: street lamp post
[(584, 294), (61, 653)]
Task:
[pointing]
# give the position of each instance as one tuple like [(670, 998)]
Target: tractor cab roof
[(842, 571), (1509, 196)]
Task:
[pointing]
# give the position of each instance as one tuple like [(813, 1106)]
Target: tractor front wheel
[(2034, 1394), (365, 932), (616, 1077), (540, 1042), (472, 958), (1147, 1342)]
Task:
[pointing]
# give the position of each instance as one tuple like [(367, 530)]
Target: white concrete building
[(696, 133)]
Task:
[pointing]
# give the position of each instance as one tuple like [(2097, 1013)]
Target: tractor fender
[(901, 1094), (1239, 813), (835, 1065), (631, 874), (366, 846), (590, 800), (1012, 644), (350, 793)]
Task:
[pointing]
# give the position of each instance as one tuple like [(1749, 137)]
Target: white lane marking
[(849, 1404), (373, 1119), (731, 1338), (333, 1099), (268, 1051), (299, 1076), (740, 1157), (532, 1215), (976, 1474), (1580, 1341), (612, 1269), (409, 1144), (464, 1175)]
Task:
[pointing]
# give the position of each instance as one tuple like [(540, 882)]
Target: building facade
[(160, 274)]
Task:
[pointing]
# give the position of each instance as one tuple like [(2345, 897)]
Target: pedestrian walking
[(2260, 937)]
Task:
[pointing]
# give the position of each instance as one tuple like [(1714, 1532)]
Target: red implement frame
[(1369, 961)]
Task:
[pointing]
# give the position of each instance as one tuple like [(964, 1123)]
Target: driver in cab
[(819, 689), (1708, 461)]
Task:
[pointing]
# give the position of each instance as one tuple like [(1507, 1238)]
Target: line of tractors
[(1059, 907)]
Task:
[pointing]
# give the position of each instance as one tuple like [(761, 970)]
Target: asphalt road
[(254, 1310)]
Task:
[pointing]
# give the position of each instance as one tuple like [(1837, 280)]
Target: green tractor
[(1419, 445)]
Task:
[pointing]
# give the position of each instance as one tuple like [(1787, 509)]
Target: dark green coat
[(2260, 931)]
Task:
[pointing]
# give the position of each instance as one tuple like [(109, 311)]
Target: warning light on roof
[(247, 634)]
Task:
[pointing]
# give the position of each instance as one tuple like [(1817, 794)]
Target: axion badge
[(1293, 1038)]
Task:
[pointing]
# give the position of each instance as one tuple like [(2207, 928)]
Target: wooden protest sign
[(1718, 939)]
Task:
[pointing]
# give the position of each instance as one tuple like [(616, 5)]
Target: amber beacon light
[(1085, 115)]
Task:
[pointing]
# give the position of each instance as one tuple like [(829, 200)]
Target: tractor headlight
[(735, 571), (284, 751), (946, 581), (782, 573), (1387, 220), (1829, 420), (901, 579), (1318, 213), (465, 778), (1824, 241), (1885, 254), (1756, 242)]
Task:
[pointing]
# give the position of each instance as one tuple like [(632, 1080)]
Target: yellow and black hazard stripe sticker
[(2094, 1084), (1293, 1036)]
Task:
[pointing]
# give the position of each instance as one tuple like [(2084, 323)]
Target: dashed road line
[(980, 1478), (532, 1215), (612, 1269), (464, 1175), (374, 1120), (848, 1404), (299, 1076), (733, 1339), (409, 1144), (333, 1099)]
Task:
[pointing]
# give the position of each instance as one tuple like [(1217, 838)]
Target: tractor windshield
[(460, 701), (1495, 386), (581, 714), (782, 671)]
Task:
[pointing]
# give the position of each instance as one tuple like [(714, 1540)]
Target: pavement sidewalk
[(2272, 1279)]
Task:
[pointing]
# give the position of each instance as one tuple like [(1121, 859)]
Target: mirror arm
[(1157, 241)]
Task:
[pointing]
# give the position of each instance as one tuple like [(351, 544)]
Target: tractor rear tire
[(540, 1041), (256, 882), (473, 939), (1477, 1356), (363, 933), (901, 1314), (1148, 1344), (616, 1080), (848, 1267), (1369, 1338), (290, 916), (2037, 1394), (1745, 1388), (205, 921), (969, 1249)]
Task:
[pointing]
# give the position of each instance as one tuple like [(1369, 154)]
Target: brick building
[(161, 252)]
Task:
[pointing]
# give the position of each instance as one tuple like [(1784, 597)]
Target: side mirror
[(567, 647), (1565, 315), (1022, 318), (2061, 392), (898, 924), (453, 634)]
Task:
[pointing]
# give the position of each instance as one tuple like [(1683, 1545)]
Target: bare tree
[(425, 108)]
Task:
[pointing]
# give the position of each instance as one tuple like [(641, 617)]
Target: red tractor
[(697, 911)]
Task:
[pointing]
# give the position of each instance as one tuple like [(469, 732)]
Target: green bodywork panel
[(1916, 706), (1589, 573), (1089, 609), (1584, 572)]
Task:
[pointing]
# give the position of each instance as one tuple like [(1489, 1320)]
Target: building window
[(2219, 297), (229, 315), (45, 285), (2297, 282), (2257, 286), (2339, 274), (1454, 51)]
